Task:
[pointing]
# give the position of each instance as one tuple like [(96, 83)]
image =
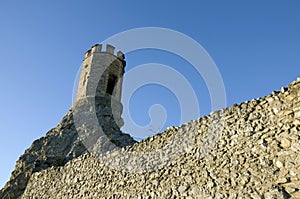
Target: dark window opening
[(112, 80)]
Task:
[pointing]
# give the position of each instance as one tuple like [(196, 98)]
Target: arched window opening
[(111, 83)]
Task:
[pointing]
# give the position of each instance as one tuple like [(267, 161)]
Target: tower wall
[(100, 86), (97, 67)]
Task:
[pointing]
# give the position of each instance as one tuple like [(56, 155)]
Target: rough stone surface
[(256, 155)]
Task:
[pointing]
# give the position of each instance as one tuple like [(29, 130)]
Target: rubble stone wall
[(256, 155)]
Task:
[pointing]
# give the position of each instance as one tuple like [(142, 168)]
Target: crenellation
[(98, 48), (87, 53), (120, 55), (110, 49)]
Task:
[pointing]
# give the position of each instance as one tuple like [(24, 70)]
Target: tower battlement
[(97, 48)]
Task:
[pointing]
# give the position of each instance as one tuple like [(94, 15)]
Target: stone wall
[(256, 155)]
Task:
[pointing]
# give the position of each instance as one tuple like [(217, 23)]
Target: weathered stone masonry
[(257, 156)]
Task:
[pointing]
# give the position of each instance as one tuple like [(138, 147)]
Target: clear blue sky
[(255, 45)]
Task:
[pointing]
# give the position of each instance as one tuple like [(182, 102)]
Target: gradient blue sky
[(255, 45)]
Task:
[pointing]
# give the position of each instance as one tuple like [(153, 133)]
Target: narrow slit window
[(111, 83)]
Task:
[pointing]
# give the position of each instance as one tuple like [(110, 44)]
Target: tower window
[(112, 80)]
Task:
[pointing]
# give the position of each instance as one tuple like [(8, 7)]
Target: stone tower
[(105, 64), (98, 104), (100, 84)]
